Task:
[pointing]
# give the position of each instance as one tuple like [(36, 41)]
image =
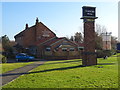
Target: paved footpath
[(11, 75)]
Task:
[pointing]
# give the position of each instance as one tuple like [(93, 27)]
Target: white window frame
[(48, 49), (64, 49), (72, 49)]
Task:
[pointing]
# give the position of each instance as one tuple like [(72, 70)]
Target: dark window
[(48, 49), (80, 49), (64, 49)]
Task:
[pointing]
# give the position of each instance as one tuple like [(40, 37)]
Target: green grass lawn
[(70, 74), (10, 66)]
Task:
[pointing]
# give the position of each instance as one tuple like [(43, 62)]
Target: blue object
[(23, 56), (118, 46)]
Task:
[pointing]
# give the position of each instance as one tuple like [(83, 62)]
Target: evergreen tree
[(78, 37), (6, 45)]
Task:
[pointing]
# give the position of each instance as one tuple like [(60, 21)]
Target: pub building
[(40, 41)]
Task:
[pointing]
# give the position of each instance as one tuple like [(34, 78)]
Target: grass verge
[(70, 74), (5, 67)]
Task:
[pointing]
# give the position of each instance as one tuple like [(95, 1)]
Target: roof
[(43, 40), (22, 32), (79, 44), (53, 41), (56, 40), (19, 34), (64, 46)]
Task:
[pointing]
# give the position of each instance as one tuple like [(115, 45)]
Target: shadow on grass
[(106, 63), (23, 61), (48, 70), (63, 62)]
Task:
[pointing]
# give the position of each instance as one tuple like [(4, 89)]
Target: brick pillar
[(89, 56)]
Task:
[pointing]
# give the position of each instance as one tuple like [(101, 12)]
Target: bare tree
[(99, 29)]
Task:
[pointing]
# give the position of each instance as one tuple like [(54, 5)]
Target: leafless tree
[(99, 29)]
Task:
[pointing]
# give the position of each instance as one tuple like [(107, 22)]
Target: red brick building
[(43, 43)]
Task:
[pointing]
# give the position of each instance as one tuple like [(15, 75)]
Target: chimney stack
[(26, 26), (37, 20)]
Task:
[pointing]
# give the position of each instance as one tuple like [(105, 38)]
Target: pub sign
[(88, 11)]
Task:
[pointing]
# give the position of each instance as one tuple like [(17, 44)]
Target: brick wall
[(43, 31), (29, 37), (62, 55), (89, 56)]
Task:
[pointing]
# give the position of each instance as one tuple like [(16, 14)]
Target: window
[(46, 33), (80, 48), (64, 49), (48, 49), (72, 49)]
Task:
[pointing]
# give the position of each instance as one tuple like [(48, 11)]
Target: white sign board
[(106, 37)]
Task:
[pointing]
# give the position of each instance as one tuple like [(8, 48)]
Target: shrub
[(100, 54), (11, 55), (3, 59), (103, 53)]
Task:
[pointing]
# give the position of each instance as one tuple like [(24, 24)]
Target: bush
[(103, 53), (100, 54), (11, 55), (3, 59)]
